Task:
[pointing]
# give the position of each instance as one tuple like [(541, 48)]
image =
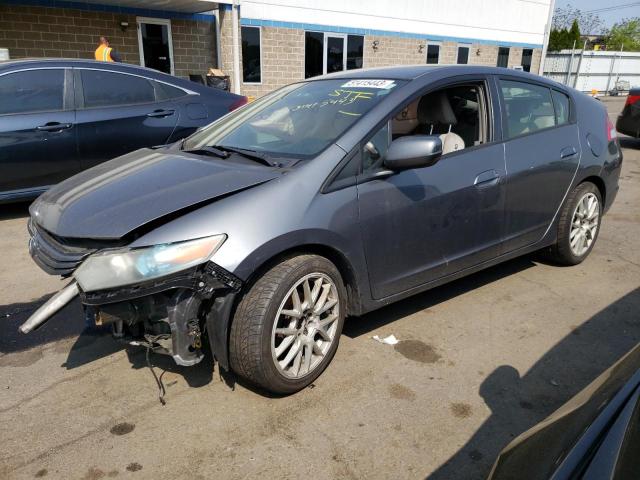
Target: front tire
[(578, 226), (287, 326)]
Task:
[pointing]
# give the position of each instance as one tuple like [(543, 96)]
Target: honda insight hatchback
[(327, 198)]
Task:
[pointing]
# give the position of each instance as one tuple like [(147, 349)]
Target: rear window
[(561, 104), (32, 91), (528, 107), (166, 92), (108, 89)]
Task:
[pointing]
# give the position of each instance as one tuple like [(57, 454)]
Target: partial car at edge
[(59, 117), (628, 121)]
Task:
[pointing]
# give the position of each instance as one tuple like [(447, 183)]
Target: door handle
[(568, 152), (160, 113), (54, 127), (487, 179)]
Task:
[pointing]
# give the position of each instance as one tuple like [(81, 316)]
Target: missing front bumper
[(171, 314)]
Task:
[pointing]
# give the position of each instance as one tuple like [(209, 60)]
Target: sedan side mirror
[(413, 151)]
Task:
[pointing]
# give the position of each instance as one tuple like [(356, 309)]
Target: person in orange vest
[(105, 53)]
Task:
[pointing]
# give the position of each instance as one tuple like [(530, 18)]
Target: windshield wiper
[(252, 154), (216, 152)]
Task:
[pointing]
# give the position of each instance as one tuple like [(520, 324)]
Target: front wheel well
[(331, 254)]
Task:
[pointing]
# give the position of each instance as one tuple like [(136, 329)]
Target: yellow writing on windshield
[(339, 96)]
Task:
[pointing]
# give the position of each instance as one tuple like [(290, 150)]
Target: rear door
[(118, 113), (37, 130), (542, 151)]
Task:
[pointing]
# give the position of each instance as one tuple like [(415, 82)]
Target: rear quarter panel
[(601, 158)]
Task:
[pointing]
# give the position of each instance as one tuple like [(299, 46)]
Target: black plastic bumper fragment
[(218, 322)]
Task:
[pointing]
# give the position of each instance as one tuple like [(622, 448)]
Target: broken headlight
[(116, 268)]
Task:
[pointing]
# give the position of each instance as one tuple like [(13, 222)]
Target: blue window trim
[(142, 12), (254, 22)]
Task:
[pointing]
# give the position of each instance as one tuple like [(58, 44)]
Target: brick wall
[(392, 51), (194, 46), (72, 33), (282, 60)]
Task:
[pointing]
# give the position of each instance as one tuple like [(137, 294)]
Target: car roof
[(413, 72), (114, 66)]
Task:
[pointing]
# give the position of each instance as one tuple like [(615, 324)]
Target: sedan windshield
[(299, 120)]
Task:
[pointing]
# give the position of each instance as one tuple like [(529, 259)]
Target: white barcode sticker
[(370, 83)]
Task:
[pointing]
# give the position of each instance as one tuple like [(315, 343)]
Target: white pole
[(575, 80), (235, 23), (547, 32), (568, 77)]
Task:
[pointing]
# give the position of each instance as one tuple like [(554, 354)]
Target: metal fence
[(594, 70)]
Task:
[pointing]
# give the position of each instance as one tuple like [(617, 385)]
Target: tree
[(588, 23), (574, 34), (624, 34)]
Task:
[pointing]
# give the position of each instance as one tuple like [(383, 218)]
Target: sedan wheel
[(578, 225), (584, 225), (305, 325), (287, 325)]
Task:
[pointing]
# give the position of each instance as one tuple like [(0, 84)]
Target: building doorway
[(335, 53), (155, 44)]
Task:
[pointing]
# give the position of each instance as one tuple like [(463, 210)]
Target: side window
[(561, 104), (32, 91), (166, 92), (107, 89), (375, 149), (528, 107)]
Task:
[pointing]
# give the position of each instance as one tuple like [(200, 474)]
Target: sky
[(609, 18)]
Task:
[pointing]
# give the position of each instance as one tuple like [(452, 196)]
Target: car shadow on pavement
[(11, 211), (355, 327), (518, 400)]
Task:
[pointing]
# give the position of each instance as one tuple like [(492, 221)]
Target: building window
[(433, 53), (463, 54), (527, 55), (503, 57), (313, 53), (355, 47), (251, 72), (330, 52)]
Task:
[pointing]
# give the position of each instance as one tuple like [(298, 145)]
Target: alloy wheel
[(305, 326), (584, 224)]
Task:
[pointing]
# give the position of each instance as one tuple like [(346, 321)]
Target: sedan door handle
[(160, 113), (568, 152), (54, 127), (487, 179)]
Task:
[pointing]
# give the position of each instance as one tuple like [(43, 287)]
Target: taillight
[(611, 129), (631, 99), (238, 103)]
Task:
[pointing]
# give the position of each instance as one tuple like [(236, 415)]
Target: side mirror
[(413, 151)]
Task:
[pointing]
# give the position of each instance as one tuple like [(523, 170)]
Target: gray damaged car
[(256, 236)]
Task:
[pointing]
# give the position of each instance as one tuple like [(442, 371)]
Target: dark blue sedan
[(58, 117)]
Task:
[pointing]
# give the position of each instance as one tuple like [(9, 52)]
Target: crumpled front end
[(169, 313)]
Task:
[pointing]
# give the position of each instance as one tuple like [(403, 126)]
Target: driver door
[(421, 224)]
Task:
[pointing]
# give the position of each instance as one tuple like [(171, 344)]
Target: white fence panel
[(591, 70)]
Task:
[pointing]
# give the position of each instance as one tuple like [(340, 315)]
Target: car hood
[(117, 197)]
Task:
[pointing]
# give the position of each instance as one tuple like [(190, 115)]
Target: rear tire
[(283, 333), (578, 225)]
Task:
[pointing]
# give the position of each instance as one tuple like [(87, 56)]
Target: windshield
[(298, 120)]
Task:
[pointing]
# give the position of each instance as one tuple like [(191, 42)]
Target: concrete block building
[(264, 44)]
